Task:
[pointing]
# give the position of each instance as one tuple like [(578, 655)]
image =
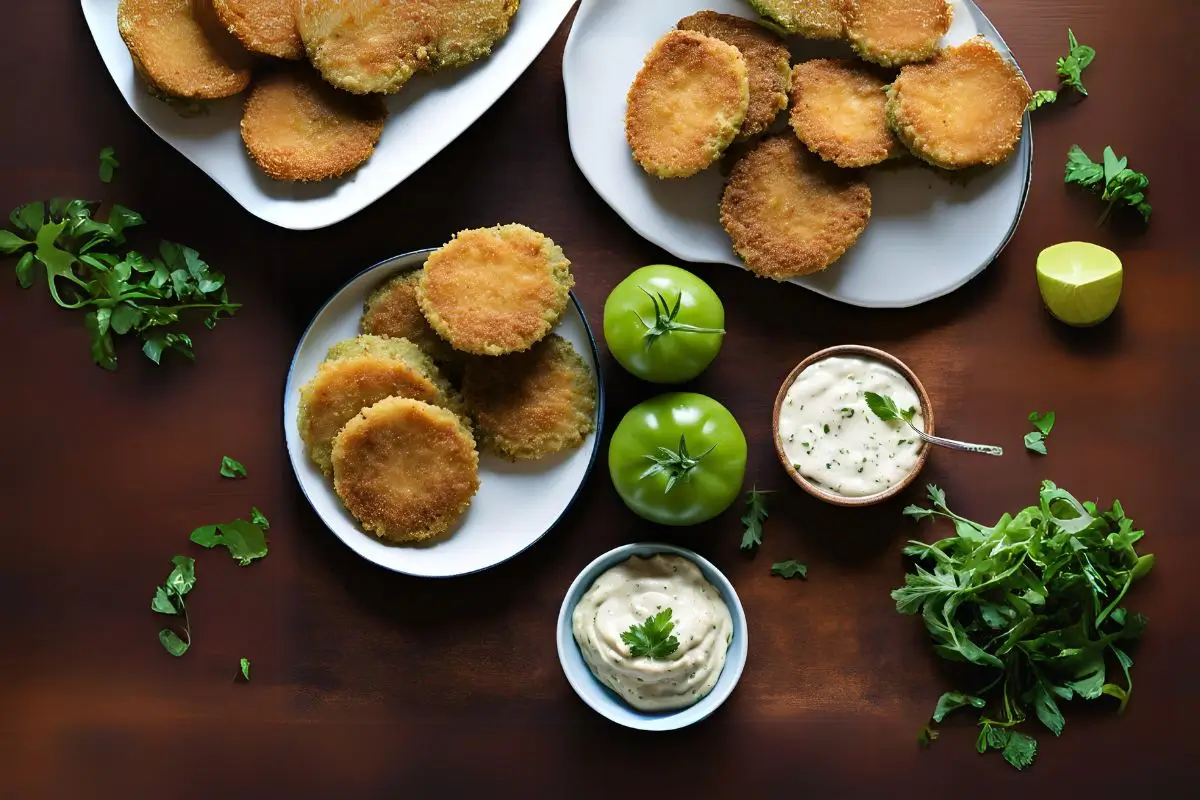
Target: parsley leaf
[(168, 599), (108, 165), (790, 569), (1035, 601), (1117, 184), (1071, 66), (886, 409), (653, 638), (756, 500), (245, 665), (258, 519), (231, 468), (89, 266), (1035, 441), (1042, 97), (246, 541)]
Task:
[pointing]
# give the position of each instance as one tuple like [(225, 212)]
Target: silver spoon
[(953, 444), (886, 409)]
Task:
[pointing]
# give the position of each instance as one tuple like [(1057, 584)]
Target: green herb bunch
[(1035, 602)]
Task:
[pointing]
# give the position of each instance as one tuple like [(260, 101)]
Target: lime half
[(1080, 282)]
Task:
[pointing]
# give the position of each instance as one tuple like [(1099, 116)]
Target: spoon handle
[(986, 449)]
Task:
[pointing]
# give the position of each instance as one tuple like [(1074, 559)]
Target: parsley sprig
[(1035, 603), (1113, 179), (88, 266), (756, 515), (653, 638), (1069, 70)]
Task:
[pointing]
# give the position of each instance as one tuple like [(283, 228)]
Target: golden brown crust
[(406, 470), (366, 46), (493, 291), (181, 50), (468, 29), (813, 19), (356, 374), (788, 214), (263, 26), (532, 404), (964, 108), (838, 112), (895, 32), (686, 104), (298, 128), (392, 310), (768, 64)]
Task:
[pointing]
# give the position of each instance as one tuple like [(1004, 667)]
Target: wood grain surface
[(368, 683)]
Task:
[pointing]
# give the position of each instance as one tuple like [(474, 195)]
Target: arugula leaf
[(653, 638), (121, 292), (246, 541), (886, 409), (790, 569), (108, 165), (1035, 602), (245, 665), (168, 599), (231, 468), (756, 500), (1118, 184)]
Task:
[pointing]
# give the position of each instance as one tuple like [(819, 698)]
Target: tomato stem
[(677, 464), (664, 319)]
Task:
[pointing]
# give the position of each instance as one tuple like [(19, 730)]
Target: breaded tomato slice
[(532, 404), (366, 46), (838, 112), (406, 470), (686, 104), (468, 29), (360, 372), (392, 310), (768, 64), (964, 108), (895, 32), (263, 26), (296, 127), (788, 214), (812, 19), (493, 291), (180, 49)]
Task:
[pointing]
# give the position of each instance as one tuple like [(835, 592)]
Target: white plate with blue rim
[(426, 115), (604, 700), (930, 232), (517, 503)]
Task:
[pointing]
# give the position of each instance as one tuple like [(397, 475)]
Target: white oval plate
[(929, 233), (425, 116), (517, 503)]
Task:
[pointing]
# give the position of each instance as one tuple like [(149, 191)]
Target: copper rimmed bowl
[(859, 351)]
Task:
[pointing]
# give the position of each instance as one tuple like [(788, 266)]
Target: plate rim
[(596, 440), (342, 213), (1025, 145)]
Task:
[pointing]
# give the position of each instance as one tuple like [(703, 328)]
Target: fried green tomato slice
[(357, 373), (838, 112), (788, 214), (532, 404), (392, 310), (493, 291), (467, 30), (812, 19), (367, 46), (686, 104), (180, 49), (963, 109), (768, 64), (406, 470), (267, 27), (896, 32), (296, 127)]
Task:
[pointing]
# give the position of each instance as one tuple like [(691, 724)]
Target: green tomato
[(664, 324), (678, 459)]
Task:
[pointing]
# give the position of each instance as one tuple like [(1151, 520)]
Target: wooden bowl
[(860, 351)]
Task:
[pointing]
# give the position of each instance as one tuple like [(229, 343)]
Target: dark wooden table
[(366, 682)]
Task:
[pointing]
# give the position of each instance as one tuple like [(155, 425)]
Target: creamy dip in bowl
[(624, 588), (832, 444)]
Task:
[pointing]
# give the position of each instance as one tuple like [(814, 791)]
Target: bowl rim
[(669, 720), (878, 355)]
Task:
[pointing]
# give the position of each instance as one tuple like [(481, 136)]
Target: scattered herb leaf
[(1035, 441), (1069, 69), (790, 569), (231, 468), (245, 664), (653, 638), (246, 541), (1113, 179), (886, 409), (258, 519), (1042, 97), (756, 501), (108, 165), (168, 599)]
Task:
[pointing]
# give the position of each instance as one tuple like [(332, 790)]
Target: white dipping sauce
[(833, 439), (629, 594)]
